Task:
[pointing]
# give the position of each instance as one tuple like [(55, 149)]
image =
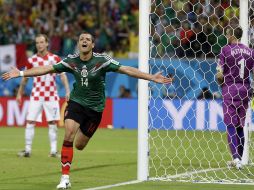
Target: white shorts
[(51, 109)]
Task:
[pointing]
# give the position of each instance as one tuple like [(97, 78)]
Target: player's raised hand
[(159, 78), (13, 73)]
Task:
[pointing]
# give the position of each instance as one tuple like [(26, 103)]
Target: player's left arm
[(35, 71), (133, 72), (65, 82)]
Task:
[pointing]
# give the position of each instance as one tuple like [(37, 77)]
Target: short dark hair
[(43, 35), (89, 34), (236, 32)]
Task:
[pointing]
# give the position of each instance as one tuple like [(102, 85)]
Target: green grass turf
[(174, 152), (110, 158)]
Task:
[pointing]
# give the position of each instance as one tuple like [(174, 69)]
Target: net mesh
[(187, 135)]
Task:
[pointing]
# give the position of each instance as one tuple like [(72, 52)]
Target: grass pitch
[(110, 158)]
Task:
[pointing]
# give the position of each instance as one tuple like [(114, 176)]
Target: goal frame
[(143, 92)]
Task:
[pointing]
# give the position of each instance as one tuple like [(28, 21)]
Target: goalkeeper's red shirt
[(44, 87)]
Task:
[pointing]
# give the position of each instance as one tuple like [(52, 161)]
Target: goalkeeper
[(236, 62), (87, 100)]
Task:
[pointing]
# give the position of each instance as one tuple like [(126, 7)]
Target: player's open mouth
[(84, 45)]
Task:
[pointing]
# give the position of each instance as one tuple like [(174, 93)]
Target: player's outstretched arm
[(21, 89), (65, 82), (133, 72), (35, 71)]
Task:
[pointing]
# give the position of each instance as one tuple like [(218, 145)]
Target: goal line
[(172, 177), (115, 185), (187, 174)]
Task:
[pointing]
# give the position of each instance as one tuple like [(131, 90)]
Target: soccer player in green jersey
[(87, 99)]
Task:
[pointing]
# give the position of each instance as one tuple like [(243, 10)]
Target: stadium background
[(109, 159), (115, 26)]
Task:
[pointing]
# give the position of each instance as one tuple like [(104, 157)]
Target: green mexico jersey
[(89, 87)]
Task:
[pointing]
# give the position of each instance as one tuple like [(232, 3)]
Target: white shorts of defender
[(51, 109)]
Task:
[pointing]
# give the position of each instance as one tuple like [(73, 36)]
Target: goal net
[(187, 135)]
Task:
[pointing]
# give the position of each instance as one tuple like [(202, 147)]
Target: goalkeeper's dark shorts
[(88, 119)]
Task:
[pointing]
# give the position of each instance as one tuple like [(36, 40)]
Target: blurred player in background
[(87, 100), (44, 96), (236, 62)]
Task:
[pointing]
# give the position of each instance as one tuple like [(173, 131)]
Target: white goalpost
[(181, 135), (244, 22), (143, 91)]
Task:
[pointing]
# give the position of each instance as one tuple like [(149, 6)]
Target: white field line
[(195, 172), (173, 177), (226, 183), (114, 185), (198, 172), (137, 181)]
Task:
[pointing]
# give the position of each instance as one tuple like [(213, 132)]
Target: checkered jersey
[(44, 87)]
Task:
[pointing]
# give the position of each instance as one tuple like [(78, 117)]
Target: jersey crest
[(84, 71)]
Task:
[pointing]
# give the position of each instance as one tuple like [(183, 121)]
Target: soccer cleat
[(54, 155), (23, 153), (235, 163), (64, 183), (238, 164)]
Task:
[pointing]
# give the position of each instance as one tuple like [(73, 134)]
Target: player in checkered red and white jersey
[(44, 96), (44, 87)]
